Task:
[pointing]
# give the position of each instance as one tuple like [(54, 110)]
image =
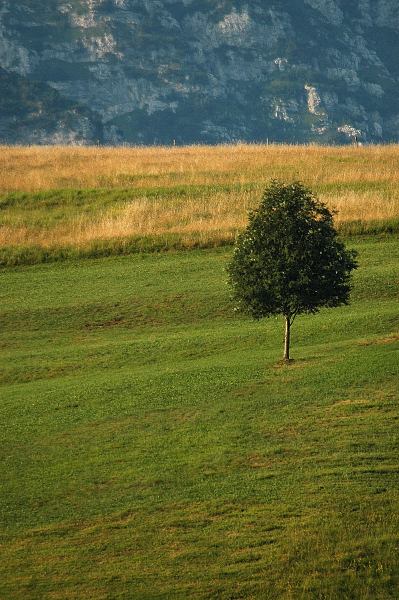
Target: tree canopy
[(289, 259)]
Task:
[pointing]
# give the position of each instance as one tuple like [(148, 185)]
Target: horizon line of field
[(267, 142)]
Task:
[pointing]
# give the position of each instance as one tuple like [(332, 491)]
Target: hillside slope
[(153, 448), (212, 71)]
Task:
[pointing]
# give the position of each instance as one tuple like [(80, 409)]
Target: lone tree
[(289, 261)]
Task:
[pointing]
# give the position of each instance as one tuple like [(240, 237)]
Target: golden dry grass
[(220, 214), (360, 183), (42, 168)]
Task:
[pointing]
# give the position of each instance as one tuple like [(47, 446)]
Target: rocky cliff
[(207, 71)]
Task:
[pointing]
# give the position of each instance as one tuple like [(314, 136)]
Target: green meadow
[(153, 447)]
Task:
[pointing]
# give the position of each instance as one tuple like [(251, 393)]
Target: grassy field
[(153, 448), (63, 202)]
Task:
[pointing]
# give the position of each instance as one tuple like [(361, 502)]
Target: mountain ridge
[(187, 71)]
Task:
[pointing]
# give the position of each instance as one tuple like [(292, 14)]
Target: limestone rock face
[(199, 71)]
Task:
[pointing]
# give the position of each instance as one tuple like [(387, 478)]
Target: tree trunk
[(287, 338)]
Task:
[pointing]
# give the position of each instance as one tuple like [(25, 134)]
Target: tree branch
[(294, 314)]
